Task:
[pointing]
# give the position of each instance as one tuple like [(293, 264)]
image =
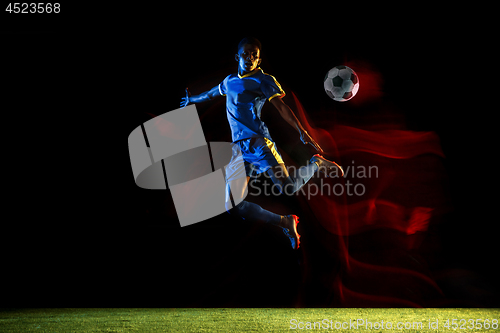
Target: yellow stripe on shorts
[(272, 147)]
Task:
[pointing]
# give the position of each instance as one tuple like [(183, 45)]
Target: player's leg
[(289, 184), (237, 177), (260, 154), (235, 193), (329, 168)]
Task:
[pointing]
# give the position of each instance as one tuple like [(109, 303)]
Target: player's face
[(248, 58)]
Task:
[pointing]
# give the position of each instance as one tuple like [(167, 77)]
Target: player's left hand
[(306, 138), (185, 100)]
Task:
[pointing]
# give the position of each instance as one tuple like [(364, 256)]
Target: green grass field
[(247, 320)]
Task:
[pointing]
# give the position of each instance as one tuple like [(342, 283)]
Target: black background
[(77, 231)]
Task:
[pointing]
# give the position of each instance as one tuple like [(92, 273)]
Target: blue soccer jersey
[(245, 96)]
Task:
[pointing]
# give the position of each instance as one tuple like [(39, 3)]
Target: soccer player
[(246, 92)]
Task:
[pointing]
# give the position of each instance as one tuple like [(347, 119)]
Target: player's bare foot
[(289, 225), (327, 166)]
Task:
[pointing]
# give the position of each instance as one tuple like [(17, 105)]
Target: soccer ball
[(341, 83)]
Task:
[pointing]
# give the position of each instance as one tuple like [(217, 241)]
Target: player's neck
[(242, 73)]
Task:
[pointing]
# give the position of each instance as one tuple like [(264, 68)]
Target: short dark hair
[(250, 40)]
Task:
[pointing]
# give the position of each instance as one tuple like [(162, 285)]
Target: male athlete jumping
[(246, 92)]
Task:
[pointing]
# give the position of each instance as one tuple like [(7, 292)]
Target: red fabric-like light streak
[(403, 198)]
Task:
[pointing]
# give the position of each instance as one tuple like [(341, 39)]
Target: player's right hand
[(316, 146), (185, 100), (306, 138)]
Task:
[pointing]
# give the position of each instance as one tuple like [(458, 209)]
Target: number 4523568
[(32, 8)]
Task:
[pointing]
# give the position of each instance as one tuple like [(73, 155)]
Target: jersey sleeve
[(223, 87), (271, 88)]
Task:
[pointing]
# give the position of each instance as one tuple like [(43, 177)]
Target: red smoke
[(388, 143), (376, 236), (371, 82)]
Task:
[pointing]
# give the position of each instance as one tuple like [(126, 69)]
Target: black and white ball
[(341, 83)]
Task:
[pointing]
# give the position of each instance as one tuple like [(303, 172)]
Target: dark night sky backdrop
[(83, 83)]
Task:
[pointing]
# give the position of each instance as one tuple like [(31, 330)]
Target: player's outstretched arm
[(290, 118), (203, 97)]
